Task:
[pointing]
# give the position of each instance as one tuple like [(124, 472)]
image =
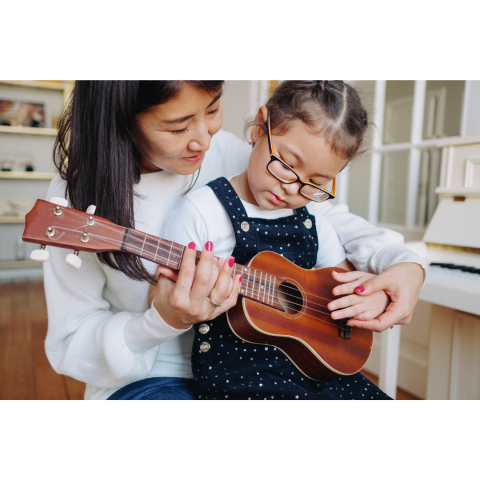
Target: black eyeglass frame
[(276, 158)]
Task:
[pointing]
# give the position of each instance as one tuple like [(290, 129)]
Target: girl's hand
[(357, 308), (182, 299), (402, 283)]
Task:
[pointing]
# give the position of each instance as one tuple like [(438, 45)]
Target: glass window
[(441, 97), (397, 125), (392, 207), (428, 181), (359, 186)]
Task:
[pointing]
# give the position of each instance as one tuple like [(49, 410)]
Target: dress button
[(245, 226), (204, 347), (203, 328), (308, 223)]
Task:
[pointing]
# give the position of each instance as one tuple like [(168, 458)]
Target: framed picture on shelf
[(14, 207), (22, 114)]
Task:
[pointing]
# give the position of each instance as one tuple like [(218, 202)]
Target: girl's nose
[(291, 188), (201, 140)]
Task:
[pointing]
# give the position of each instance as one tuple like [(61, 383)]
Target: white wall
[(241, 101)]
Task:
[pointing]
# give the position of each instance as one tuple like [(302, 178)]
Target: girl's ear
[(262, 115), (260, 118)]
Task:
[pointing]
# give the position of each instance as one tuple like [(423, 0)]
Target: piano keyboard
[(460, 272), (453, 266), (453, 285)]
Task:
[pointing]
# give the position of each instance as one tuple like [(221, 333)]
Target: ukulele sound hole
[(290, 298)]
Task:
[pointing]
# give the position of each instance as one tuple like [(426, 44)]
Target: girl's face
[(175, 135), (308, 154)]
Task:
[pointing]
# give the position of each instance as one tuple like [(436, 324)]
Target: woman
[(134, 149)]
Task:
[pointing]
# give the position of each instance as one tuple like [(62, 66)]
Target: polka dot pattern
[(233, 369)]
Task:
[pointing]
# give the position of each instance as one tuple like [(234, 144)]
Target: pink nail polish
[(360, 289), (209, 246), (192, 246), (231, 261), (240, 279)]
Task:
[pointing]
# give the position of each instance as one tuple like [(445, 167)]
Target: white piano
[(451, 248)]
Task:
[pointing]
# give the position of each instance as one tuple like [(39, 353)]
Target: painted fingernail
[(192, 246), (209, 246), (240, 279), (231, 261), (360, 289)]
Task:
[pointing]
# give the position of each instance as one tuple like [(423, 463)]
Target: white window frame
[(470, 125)]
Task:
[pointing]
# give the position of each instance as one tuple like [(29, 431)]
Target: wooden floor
[(25, 373)]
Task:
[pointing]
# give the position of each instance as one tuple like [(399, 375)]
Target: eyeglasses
[(281, 171)]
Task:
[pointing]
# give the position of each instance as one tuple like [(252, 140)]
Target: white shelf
[(49, 132), (33, 84), (6, 219), (19, 264), (27, 175)]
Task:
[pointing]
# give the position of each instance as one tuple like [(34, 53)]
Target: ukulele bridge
[(344, 330)]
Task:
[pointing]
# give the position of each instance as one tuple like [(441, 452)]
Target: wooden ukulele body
[(310, 338)]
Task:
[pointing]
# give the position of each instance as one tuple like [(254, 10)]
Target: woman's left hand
[(401, 282)]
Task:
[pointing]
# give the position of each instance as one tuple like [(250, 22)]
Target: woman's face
[(307, 153), (175, 135)]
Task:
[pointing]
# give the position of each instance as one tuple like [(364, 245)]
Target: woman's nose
[(291, 188), (201, 140)]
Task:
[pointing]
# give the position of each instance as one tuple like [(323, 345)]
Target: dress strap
[(246, 238), (299, 211), (224, 191)]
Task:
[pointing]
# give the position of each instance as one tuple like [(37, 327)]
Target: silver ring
[(215, 304)]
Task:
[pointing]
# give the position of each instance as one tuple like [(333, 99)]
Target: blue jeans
[(158, 388)]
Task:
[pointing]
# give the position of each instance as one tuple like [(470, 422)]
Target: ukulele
[(279, 304)]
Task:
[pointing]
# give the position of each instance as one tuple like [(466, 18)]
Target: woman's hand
[(182, 299), (402, 283)]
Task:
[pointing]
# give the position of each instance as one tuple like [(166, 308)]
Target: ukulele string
[(252, 288), (307, 308), (116, 229), (160, 245), (323, 321), (117, 243), (275, 290), (318, 296)]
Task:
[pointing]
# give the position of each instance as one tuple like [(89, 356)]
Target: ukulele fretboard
[(256, 284)]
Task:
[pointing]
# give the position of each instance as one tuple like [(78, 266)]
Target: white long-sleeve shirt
[(101, 330)]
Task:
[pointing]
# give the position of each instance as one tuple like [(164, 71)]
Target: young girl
[(302, 138)]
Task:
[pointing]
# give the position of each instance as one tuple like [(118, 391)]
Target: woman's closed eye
[(180, 131), (212, 113)]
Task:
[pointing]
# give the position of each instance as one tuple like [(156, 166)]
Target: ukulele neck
[(257, 285)]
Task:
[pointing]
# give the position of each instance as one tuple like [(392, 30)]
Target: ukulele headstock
[(57, 225)]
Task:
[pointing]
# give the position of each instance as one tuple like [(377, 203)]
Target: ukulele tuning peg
[(40, 255), (73, 259), (91, 209), (59, 201)]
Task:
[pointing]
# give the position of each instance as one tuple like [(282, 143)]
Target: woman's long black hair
[(96, 155)]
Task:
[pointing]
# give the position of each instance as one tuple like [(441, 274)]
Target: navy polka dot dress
[(226, 367)]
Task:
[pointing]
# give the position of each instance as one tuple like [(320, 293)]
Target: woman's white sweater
[(100, 328)]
